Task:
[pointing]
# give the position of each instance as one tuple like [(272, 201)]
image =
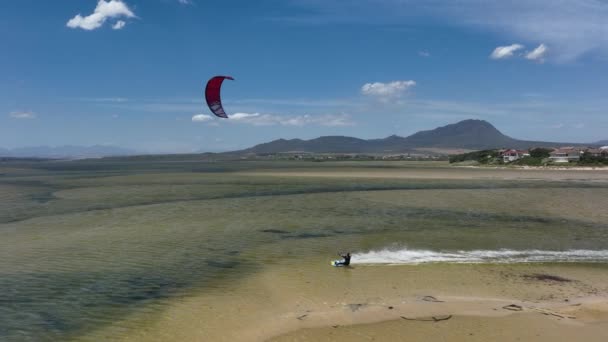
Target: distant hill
[(71, 152), (336, 144), (463, 135), (467, 134)]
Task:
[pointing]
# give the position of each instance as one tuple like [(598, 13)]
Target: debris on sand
[(546, 277), (302, 317), (551, 313), (513, 307), (431, 299), (438, 318), (356, 306)]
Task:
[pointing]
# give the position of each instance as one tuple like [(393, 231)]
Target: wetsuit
[(346, 261)]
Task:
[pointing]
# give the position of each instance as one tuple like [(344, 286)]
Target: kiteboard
[(336, 263)]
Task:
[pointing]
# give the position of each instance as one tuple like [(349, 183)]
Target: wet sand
[(465, 327), (506, 304), (386, 303), (452, 173)]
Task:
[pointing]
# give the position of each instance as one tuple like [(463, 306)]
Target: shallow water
[(83, 249), (502, 256)]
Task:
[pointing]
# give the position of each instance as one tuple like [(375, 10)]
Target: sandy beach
[(431, 302), (466, 327), (509, 303), (453, 173)]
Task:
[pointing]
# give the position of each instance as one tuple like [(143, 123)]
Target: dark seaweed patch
[(546, 277), (54, 322), (307, 236), (275, 231)]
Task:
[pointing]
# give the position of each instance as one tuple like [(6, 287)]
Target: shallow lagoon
[(88, 245)]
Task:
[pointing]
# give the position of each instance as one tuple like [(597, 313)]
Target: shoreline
[(316, 302), (543, 168), (427, 312)]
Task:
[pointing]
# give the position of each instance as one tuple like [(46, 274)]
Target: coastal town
[(567, 155), (559, 155), (536, 156)]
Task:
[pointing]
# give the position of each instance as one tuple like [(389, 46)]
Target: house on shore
[(566, 155), (510, 155), (595, 152)]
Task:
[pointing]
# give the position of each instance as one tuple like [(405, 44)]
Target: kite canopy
[(212, 95)]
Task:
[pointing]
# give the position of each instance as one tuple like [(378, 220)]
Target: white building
[(513, 155), (565, 155)]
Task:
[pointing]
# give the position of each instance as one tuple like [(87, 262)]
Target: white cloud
[(572, 28), (424, 53), (253, 118), (119, 25), (387, 90), (103, 11), (201, 118), (22, 115), (538, 54), (502, 52), (258, 119), (185, 2)]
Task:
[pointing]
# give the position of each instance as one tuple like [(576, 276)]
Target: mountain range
[(66, 152), (467, 134), (602, 143)]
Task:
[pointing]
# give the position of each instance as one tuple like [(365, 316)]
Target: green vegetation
[(530, 161), (591, 160), (540, 153), (538, 157), (485, 157)]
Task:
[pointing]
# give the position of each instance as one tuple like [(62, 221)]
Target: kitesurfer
[(346, 260)]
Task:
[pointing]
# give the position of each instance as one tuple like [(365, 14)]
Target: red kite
[(212, 95)]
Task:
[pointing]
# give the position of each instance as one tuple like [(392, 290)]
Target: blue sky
[(131, 73)]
